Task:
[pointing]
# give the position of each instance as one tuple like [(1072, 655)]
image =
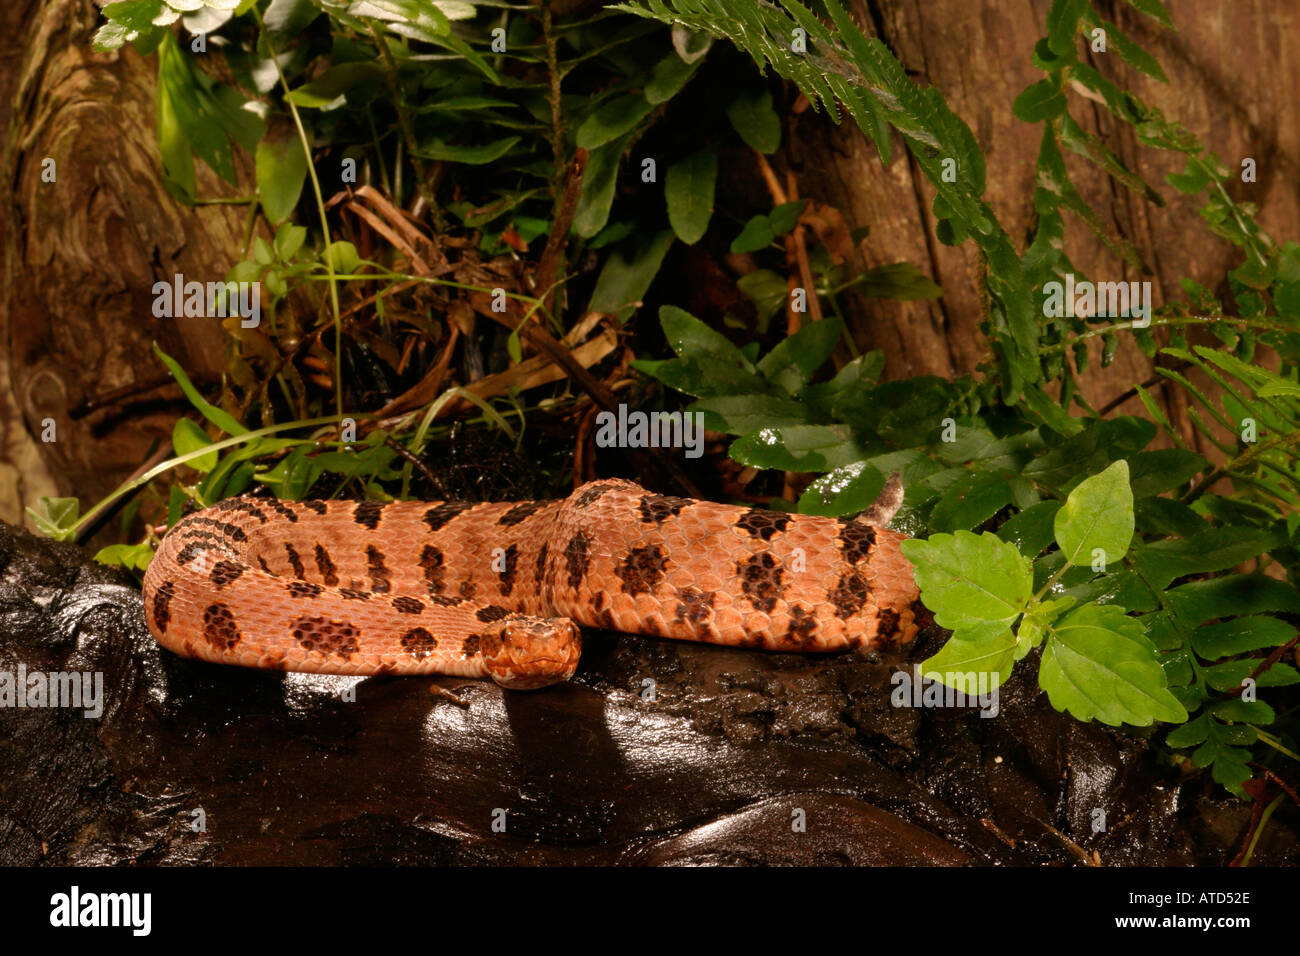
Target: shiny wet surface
[(658, 752)]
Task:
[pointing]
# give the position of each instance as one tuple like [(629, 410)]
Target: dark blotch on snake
[(329, 637), (378, 573), (354, 594), (240, 504), (576, 558), (219, 627), (519, 512), (762, 523), (408, 605), (316, 506), (224, 572), (849, 594), (303, 589), (419, 643), (325, 565), (367, 513), (431, 562), (641, 569), (506, 576), (696, 606), (439, 515), (655, 509), (295, 561), (760, 579), (469, 647), (856, 540), (162, 599), (493, 612)]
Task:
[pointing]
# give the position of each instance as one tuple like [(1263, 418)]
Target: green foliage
[(1059, 540)]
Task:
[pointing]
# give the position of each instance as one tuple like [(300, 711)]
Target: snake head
[(532, 652)]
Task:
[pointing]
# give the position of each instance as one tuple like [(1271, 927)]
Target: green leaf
[(979, 649), (1098, 515), (756, 235), (598, 188), (846, 490), (1161, 470), (670, 75), (188, 437), (222, 419), (1215, 549), (1041, 101), (969, 579), (785, 217), (342, 256), (745, 414), (753, 117), (1240, 635), (1063, 25), (1199, 601), (281, 171), (971, 501), (57, 518), (1031, 530), (902, 281), (134, 557), (622, 281), (613, 120), (797, 448), (688, 189), (335, 82), (794, 360), (1099, 665), (469, 155)]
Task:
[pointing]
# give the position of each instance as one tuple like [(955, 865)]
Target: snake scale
[(498, 590)]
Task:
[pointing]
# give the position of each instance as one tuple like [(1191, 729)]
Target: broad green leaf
[(1098, 665), (1215, 549), (188, 437), (1097, 516), (968, 579), (691, 338), (342, 256), (847, 490), (743, 414), (1031, 530), (598, 188), (1240, 635), (469, 155), (798, 448), (970, 502), (1039, 102), (1164, 469), (1199, 601), (688, 189), (336, 82), (794, 360), (623, 281), (753, 117), (1063, 25), (670, 75), (756, 235), (613, 120), (979, 649), (896, 280), (281, 171)]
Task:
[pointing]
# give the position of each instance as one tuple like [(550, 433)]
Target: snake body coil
[(498, 589)]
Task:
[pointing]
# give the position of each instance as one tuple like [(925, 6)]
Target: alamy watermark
[(211, 300), (1086, 299), (978, 689), (651, 430), (24, 688)]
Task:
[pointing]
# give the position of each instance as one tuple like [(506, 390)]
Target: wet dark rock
[(658, 752)]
